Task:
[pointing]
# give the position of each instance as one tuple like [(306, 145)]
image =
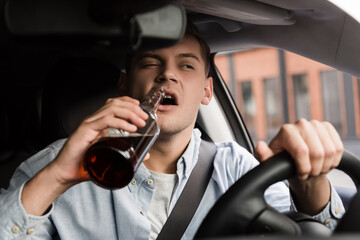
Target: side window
[(272, 87), (301, 96), (331, 98), (273, 106), (247, 105)]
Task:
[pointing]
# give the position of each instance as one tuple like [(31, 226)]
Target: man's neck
[(166, 151)]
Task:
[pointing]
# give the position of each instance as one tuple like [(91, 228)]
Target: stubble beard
[(169, 128)]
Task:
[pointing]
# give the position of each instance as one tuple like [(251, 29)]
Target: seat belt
[(190, 198)]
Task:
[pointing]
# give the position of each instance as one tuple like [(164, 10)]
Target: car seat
[(74, 88), (6, 150)]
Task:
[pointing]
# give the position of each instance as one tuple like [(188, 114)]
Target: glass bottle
[(113, 160)]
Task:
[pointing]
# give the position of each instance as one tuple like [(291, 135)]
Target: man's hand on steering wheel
[(316, 148)]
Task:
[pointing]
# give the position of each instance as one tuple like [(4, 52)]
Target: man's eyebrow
[(189, 55), (149, 55), (181, 55)]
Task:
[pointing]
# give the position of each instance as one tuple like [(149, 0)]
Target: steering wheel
[(243, 210)]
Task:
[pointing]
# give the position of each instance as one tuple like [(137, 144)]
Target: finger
[(125, 110), (122, 113), (129, 116), (316, 149), (327, 145), (339, 146), (109, 121), (290, 139), (123, 102), (129, 103), (263, 151)]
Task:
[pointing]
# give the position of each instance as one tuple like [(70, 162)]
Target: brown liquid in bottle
[(112, 161)]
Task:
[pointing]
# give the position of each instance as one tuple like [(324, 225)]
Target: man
[(50, 193)]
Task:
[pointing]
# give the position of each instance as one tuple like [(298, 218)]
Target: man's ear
[(208, 91), (122, 84)]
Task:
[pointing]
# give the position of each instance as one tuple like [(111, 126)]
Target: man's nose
[(167, 73)]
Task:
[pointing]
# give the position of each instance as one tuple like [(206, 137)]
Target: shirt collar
[(184, 165), (190, 156), (141, 174)]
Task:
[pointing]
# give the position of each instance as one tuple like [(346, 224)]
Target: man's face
[(181, 71)]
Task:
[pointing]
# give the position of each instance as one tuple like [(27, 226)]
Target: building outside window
[(273, 106), (247, 105), (331, 98), (301, 96)]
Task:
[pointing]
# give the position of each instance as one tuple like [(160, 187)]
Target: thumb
[(263, 151), (147, 156)]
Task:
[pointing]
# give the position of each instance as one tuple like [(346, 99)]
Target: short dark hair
[(191, 30)]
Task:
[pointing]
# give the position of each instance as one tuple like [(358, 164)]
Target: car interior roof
[(315, 29)]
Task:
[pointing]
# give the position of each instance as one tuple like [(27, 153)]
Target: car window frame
[(235, 122)]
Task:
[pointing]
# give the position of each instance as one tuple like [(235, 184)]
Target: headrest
[(75, 88)]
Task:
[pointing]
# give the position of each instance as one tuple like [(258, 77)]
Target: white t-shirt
[(160, 201)]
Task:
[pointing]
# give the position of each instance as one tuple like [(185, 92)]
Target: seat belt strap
[(190, 198)]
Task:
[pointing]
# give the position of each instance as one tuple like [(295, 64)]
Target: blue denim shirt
[(87, 211)]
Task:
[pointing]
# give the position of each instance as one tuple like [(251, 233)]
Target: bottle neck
[(153, 100)]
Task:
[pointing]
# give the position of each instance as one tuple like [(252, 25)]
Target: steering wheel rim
[(242, 209)]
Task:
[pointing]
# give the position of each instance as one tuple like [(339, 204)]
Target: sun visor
[(88, 24)]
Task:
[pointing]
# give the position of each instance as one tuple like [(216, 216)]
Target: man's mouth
[(168, 100)]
